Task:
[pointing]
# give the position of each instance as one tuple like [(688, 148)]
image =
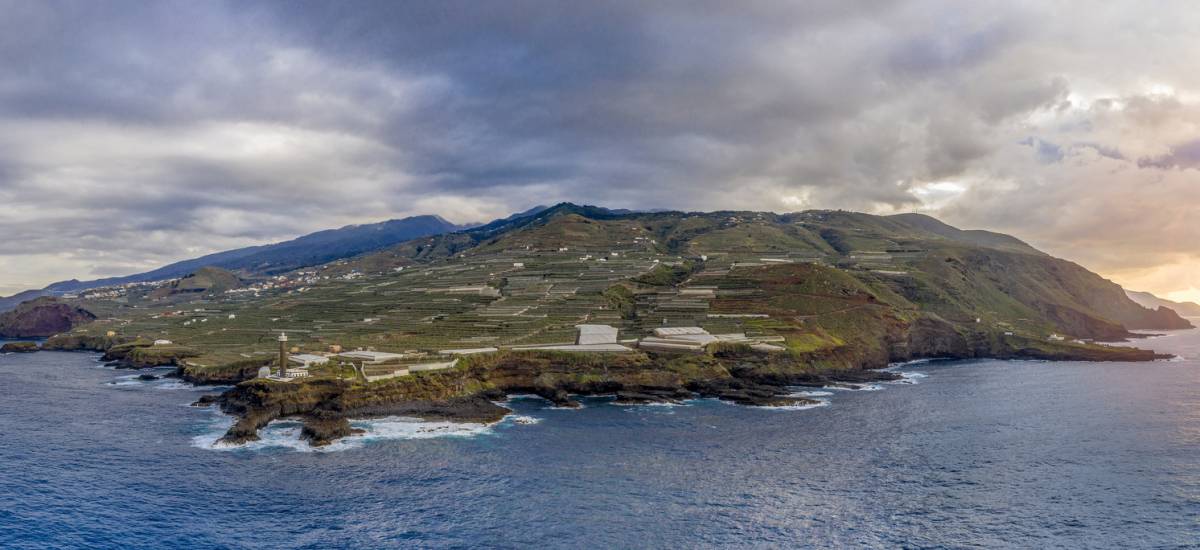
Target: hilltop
[(204, 280), (836, 293)]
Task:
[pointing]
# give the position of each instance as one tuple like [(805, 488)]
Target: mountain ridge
[(1148, 300), (306, 250)]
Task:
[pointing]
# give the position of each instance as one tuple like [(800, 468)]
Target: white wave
[(398, 427), (522, 419), (525, 397), (901, 364), (803, 407), (855, 387), (909, 377), (278, 434), (286, 433), (651, 404), (124, 383), (811, 393), (176, 384)]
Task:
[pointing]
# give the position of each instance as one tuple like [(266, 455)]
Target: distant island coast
[(578, 300)]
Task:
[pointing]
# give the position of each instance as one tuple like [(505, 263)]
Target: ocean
[(964, 454)]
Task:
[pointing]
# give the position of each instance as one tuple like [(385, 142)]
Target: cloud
[(133, 133)]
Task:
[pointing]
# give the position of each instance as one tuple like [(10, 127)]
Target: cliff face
[(42, 318), (730, 372)]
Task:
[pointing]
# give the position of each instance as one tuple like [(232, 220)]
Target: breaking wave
[(285, 434), (901, 364), (909, 377), (804, 407), (811, 393), (134, 381), (855, 387)]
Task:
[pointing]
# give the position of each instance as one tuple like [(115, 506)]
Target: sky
[(133, 134)]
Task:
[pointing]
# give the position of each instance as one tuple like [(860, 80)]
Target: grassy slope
[(884, 279)]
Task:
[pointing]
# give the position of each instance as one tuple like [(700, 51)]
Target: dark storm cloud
[(133, 133)]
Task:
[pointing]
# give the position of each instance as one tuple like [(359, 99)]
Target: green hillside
[(834, 287)]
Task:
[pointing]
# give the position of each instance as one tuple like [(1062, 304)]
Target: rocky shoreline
[(470, 392)]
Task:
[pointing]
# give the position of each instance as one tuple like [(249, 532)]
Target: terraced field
[(817, 280)]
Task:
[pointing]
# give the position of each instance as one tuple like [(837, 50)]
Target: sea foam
[(909, 377), (285, 434), (811, 393), (855, 387), (803, 407)]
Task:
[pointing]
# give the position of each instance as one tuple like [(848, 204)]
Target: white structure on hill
[(595, 334), (422, 367), (695, 339), (686, 334), (468, 351), (306, 360), (373, 357), (589, 338)]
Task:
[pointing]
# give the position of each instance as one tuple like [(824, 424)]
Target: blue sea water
[(964, 454)]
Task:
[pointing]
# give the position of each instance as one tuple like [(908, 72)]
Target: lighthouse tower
[(283, 355)]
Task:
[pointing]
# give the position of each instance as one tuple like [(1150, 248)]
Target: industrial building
[(373, 357), (306, 360), (696, 339), (588, 338), (595, 334)]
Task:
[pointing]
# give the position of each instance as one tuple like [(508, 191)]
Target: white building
[(688, 334), (422, 367), (693, 339), (468, 351), (306, 360), (595, 334), (373, 357)]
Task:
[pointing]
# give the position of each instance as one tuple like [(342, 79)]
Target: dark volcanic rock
[(19, 347), (41, 318), (323, 431), (147, 377), (257, 402), (207, 400)]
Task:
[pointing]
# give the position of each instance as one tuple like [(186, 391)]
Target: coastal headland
[(573, 300)]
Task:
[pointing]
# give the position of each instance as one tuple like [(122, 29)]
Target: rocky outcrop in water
[(41, 318), (19, 347)]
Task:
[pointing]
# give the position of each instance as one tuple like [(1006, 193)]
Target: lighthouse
[(283, 355)]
